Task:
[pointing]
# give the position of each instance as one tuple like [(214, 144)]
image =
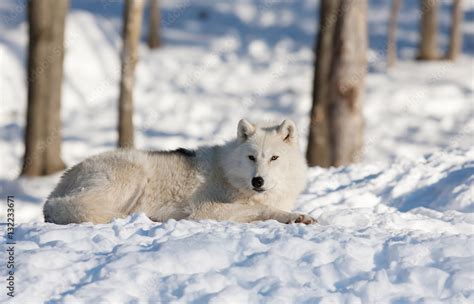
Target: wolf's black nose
[(257, 182)]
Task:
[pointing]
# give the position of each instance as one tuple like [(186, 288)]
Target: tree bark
[(455, 38), (154, 40), (392, 33), (45, 72), (428, 49), (131, 34), (319, 150), (347, 79)]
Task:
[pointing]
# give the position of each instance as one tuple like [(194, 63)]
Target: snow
[(397, 227), (381, 238)]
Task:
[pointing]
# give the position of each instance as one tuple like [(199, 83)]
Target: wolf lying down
[(255, 177)]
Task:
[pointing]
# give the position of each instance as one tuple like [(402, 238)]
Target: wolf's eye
[(252, 158), (274, 157)]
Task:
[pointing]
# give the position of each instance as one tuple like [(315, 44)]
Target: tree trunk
[(319, 151), (428, 49), (392, 33), (154, 30), (45, 72), (346, 87), (455, 38), (131, 35)]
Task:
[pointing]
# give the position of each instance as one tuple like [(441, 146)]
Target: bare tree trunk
[(45, 72), (131, 35), (428, 49), (346, 88), (392, 33), (154, 40), (455, 38), (318, 152)]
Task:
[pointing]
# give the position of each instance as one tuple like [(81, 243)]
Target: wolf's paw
[(302, 218)]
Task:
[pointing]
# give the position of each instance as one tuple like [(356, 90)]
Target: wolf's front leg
[(243, 212)]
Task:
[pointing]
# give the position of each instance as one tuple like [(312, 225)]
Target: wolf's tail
[(77, 209), (64, 210)]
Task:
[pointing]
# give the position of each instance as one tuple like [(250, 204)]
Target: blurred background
[(365, 81)]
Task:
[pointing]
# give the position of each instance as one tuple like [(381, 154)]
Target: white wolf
[(257, 176)]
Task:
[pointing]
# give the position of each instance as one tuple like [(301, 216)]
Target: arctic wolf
[(255, 177)]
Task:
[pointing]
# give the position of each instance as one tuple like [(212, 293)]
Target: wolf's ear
[(287, 130), (245, 129)]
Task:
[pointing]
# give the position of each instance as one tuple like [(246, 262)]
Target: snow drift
[(385, 235)]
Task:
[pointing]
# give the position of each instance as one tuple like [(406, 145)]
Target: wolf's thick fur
[(216, 182)]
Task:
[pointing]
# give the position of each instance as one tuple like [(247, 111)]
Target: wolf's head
[(266, 159)]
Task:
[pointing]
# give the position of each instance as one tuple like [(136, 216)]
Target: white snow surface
[(386, 234), (396, 228)]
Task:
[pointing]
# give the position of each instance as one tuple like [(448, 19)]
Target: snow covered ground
[(400, 233), (397, 227)]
